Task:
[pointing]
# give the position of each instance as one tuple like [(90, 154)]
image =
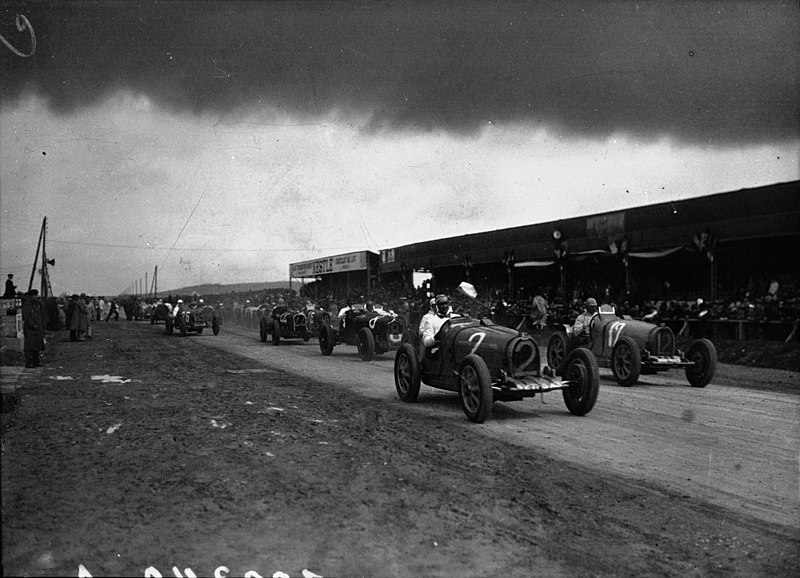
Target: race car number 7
[(614, 331), (479, 337)]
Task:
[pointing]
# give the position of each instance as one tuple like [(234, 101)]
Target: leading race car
[(485, 363), (631, 348), (285, 323), (187, 321), (372, 332)]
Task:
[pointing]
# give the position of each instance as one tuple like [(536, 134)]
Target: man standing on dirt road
[(32, 328)]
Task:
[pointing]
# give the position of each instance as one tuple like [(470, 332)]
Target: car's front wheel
[(626, 361), (406, 373), (584, 377), (365, 341), (327, 339), (276, 332), (475, 388), (557, 350), (704, 356)]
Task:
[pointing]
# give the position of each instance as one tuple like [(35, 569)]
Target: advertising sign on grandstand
[(340, 263)]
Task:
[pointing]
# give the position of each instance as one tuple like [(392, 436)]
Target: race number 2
[(477, 337)]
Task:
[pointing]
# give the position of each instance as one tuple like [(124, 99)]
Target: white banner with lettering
[(338, 264)]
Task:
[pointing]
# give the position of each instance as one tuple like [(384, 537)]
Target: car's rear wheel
[(276, 332), (626, 361), (475, 388), (704, 356), (365, 341), (584, 377), (215, 326), (327, 339), (557, 350), (406, 373)]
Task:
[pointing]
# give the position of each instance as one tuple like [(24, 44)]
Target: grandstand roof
[(771, 211)]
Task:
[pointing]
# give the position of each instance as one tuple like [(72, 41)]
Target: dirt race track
[(224, 454)]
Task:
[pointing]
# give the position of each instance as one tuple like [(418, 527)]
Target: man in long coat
[(80, 319), (32, 328)]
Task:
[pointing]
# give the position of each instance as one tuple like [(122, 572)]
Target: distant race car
[(160, 312), (187, 321), (485, 363), (631, 348), (283, 323), (373, 333)]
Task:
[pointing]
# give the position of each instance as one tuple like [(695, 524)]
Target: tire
[(406, 373), (327, 339), (263, 331), (626, 361), (557, 351), (475, 388), (365, 341), (276, 332), (168, 326), (215, 326), (704, 355), (582, 371)]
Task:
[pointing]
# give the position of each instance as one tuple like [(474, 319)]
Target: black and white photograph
[(400, 288)]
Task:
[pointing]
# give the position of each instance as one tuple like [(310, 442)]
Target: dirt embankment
[(195, 458)]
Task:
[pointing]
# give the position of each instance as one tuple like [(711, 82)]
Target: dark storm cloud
[(708, 72)]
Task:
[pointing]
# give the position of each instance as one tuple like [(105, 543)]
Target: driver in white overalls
[(581, 326)]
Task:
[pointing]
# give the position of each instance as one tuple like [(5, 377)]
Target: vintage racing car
[(373, 333), (160, 312), (187, 320), (631, 347), (283, 323), (485, 363)]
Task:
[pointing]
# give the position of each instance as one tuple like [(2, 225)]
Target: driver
[(581, 326), (432, 321)]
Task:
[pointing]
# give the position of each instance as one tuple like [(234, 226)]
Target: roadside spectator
[(32, 328), (11, 289), (80, 319), (113, 309)]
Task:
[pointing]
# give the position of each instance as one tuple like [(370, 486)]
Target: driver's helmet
[(591, 305), (180, 301), (442, 305)]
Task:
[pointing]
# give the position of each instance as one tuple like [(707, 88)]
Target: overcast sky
[(221, 141)]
